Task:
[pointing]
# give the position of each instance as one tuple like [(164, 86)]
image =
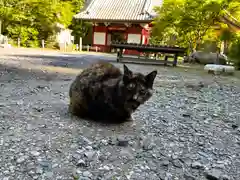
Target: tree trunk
[(191, 48), (225, 47), (217, 60)]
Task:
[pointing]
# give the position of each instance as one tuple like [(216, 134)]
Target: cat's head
[(138, 88)]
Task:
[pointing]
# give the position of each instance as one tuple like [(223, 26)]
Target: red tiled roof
[(119, 10)]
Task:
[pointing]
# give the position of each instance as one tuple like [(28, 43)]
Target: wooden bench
[(144, 52)]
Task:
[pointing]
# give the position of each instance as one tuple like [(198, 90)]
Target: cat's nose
[(135, 97)]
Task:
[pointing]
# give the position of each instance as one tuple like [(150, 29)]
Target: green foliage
[(34, 20), (28, 35), (80, 29), (189, 22), (51, 42), (234, 52)]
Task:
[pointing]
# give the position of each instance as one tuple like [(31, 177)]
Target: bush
[(12, 42), (28, 35), (51, 42)]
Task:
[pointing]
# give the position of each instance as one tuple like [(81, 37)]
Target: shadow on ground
[(64, 60), (11, 75)]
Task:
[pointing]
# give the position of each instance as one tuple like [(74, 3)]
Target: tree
[(188, 20), (234, 52), (34, 20)]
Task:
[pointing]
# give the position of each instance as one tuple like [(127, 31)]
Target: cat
[(102, 92)]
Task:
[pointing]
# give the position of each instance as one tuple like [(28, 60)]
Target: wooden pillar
[(119, 55), (126, 38), (175, 59), (93, 34), (106, 46), (106, 40), (165, 60)]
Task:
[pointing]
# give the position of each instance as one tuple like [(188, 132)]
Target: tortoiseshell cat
[(102, 93)]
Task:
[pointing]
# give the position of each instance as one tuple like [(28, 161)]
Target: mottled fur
[(102, 92)]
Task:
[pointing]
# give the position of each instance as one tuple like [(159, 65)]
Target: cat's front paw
[(129, 118)]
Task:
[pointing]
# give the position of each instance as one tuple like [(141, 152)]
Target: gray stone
[(76, 157), (88, 147), (126, 154), (22, 159), (177, 163), (147, 144), (6, 172), (11, 168), (122, 141), (31, 172), (225, 177), (87, 174), (188, 176), (104, 142), (35, 153), (213, 174), (49, 174), (182, 139), (197, 165), (39, 170), (85, 140), (109, 176), (35, 177), (81, 162), (186, 114), (59, 150), (165, 163), (46, 165), (220, 166), (90, 155), (105, 168), (83, 178), (76, 173), (235, 126)]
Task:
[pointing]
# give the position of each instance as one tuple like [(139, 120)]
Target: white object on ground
[(5, 46), (218, 69)]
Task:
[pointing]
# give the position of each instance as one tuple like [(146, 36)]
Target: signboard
[(117, 28)]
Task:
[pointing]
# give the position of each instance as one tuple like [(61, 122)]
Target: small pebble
[(87, 174), (22, 159), (122, 141), (197, 165), (35, 153)]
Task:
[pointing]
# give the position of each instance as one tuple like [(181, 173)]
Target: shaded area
[(63, 60)]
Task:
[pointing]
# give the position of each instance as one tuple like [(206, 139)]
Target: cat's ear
[(127, 73), (150, 78)]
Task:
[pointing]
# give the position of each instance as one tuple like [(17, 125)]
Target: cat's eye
[(142, 91), (131, 86)]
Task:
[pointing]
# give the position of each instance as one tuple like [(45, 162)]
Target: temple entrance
[(116, 36)]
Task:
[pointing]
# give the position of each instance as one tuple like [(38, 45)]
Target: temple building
[(119, 20), (127, 21)]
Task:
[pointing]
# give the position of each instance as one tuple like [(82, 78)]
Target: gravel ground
[(188, 130)]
